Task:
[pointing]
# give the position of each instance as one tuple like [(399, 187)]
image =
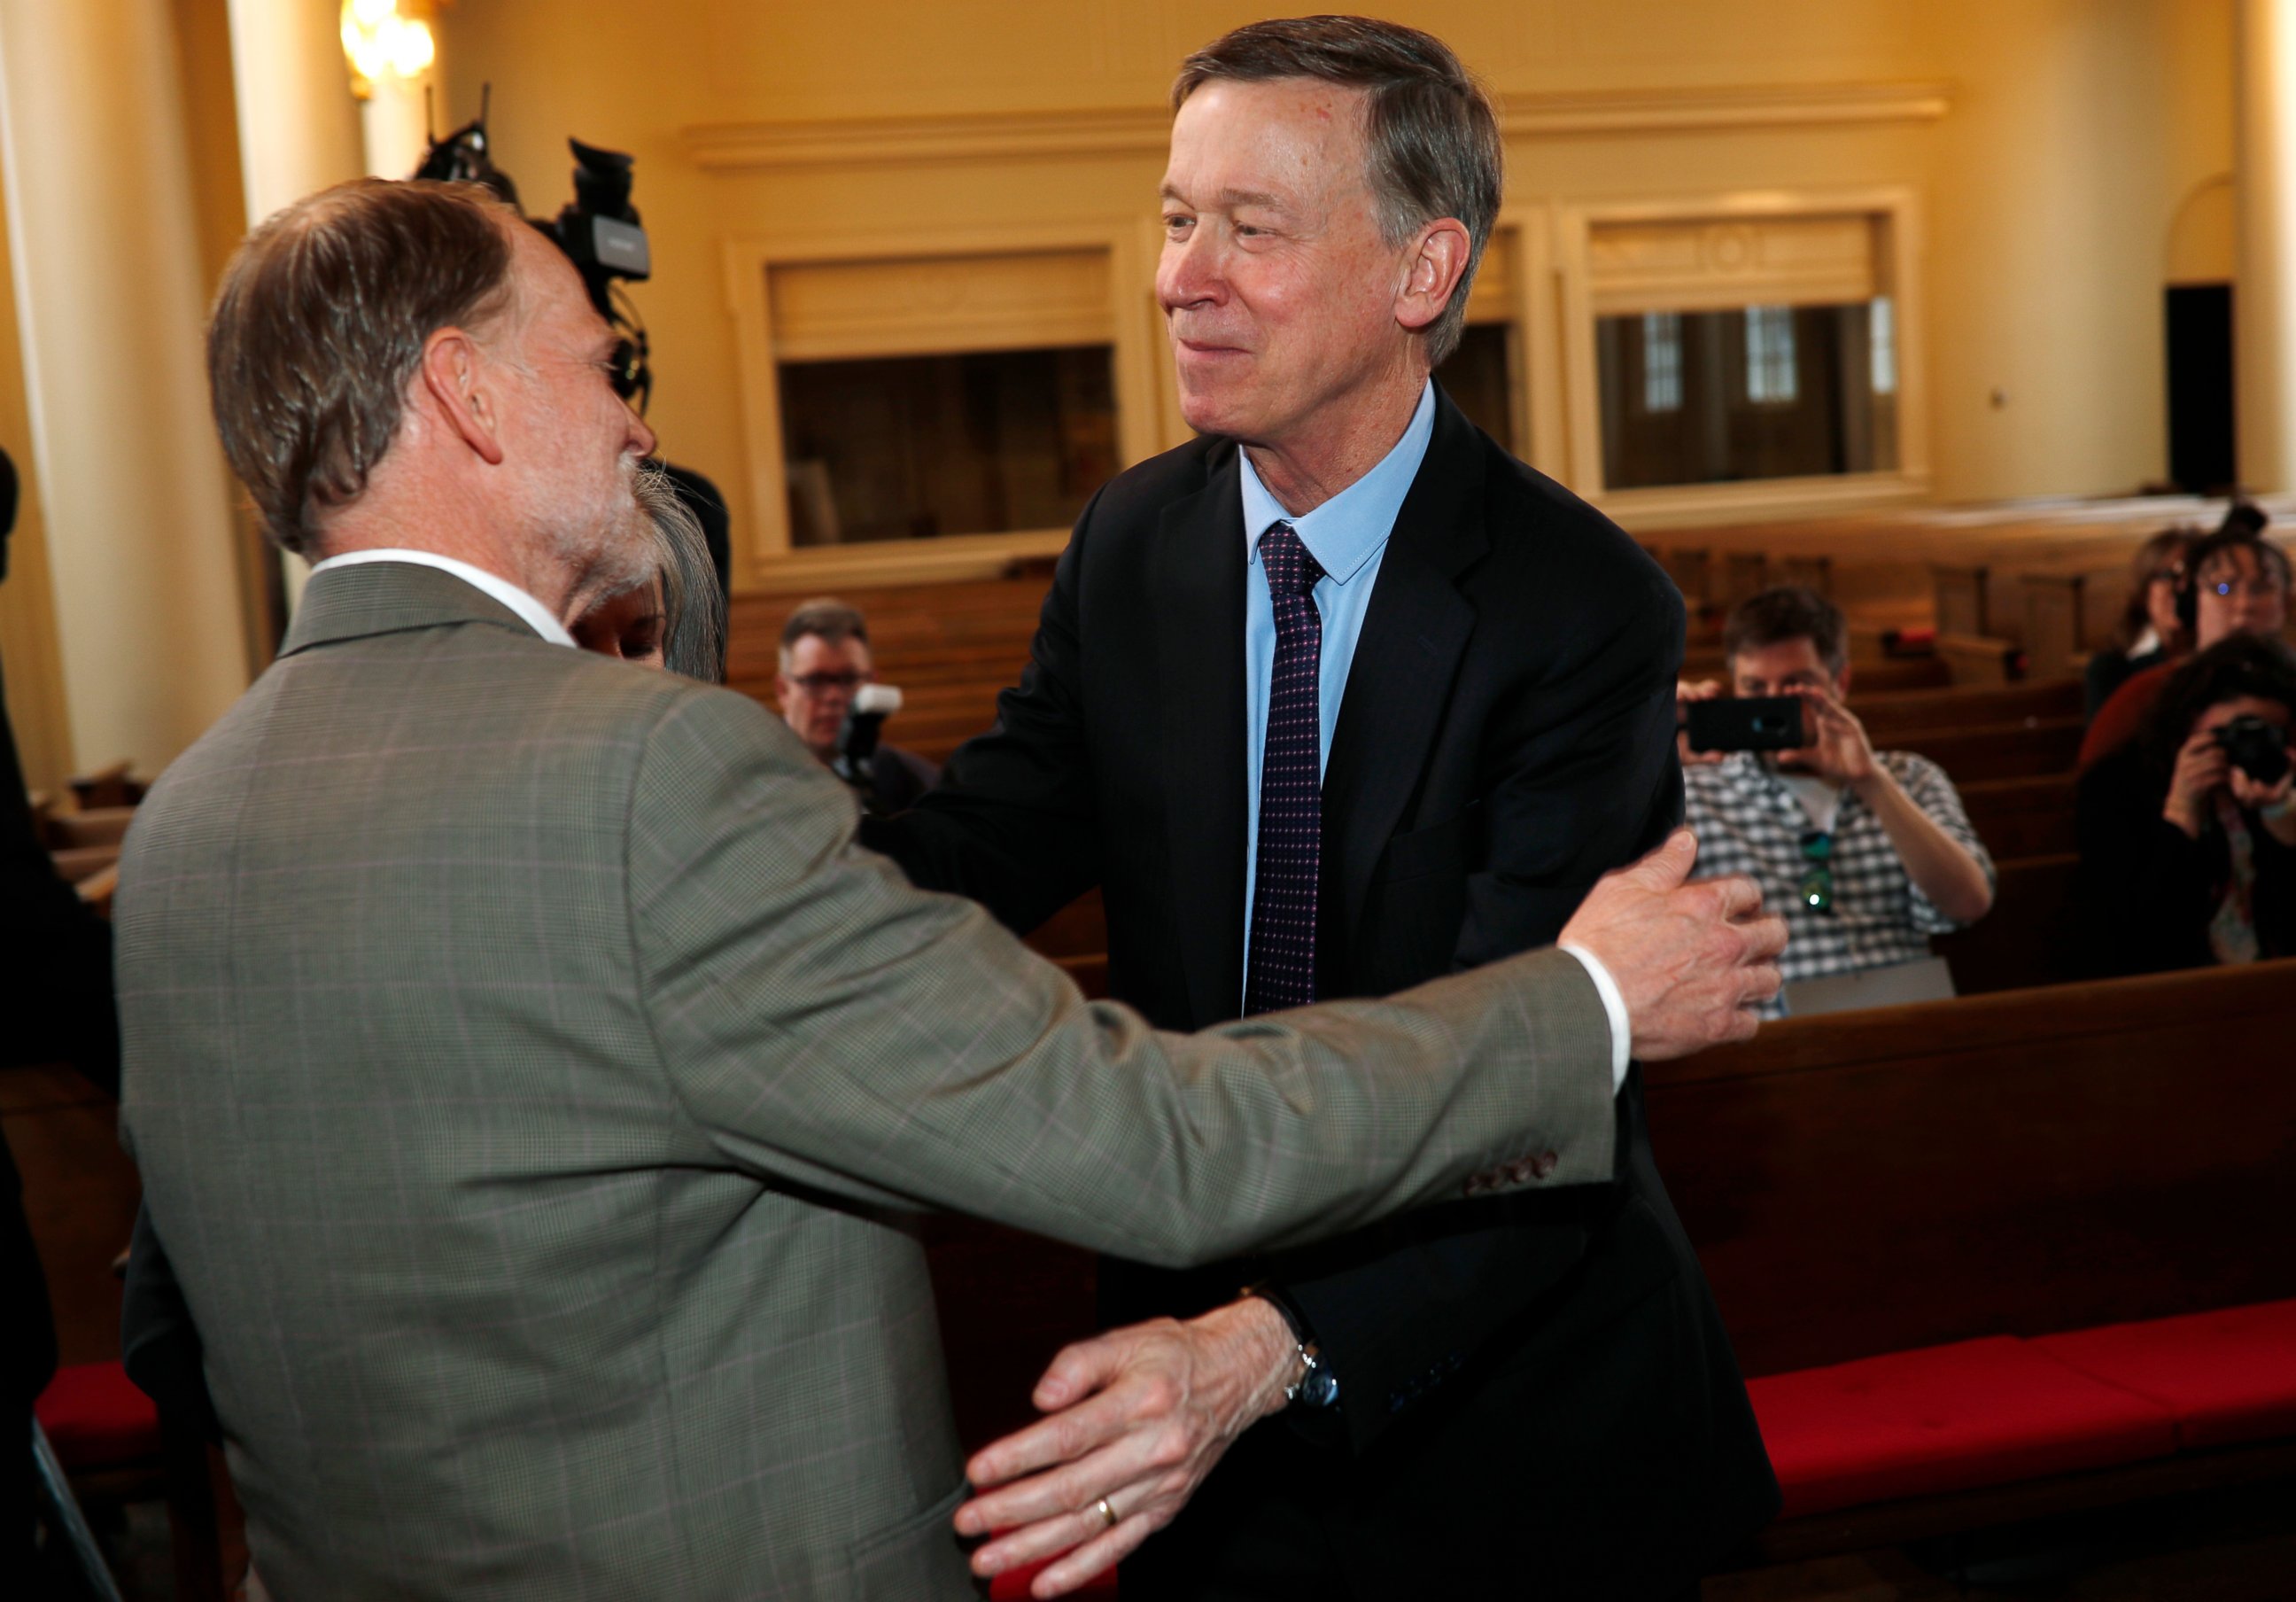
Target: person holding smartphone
[(1868, 853)]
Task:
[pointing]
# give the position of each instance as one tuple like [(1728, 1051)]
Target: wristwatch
[(1317, 1386)]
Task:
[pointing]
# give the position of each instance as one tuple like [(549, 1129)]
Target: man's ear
[(1437, 263), (455, 374)]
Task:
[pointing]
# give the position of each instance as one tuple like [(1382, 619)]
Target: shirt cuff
[(1614, 1007)]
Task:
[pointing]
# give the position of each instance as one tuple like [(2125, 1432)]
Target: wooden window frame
[(1897, 212)]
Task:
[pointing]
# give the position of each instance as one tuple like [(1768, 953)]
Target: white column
[(394, 123), (111, 307), (299, 125), (2264, 296)]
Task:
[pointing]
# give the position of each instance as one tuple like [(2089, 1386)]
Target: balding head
[(320, 324)]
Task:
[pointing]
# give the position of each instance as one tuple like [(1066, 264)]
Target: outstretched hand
[(1690, 960), (1138, 1417)]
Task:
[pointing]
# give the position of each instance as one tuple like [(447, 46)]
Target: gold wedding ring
[(1107, 1513)]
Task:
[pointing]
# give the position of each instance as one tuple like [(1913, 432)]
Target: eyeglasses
[(1816, 890), (821, 683), (2259, 589)]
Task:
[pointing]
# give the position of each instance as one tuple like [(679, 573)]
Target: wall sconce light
[(381, 45)]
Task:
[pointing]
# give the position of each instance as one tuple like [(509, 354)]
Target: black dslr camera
[(598, 230), (2255, 747)]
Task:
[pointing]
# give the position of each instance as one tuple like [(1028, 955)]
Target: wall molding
[(1017, 136)]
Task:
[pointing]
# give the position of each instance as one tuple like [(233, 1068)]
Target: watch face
[(1320, 1389)]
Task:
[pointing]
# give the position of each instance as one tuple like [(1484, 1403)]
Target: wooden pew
[(1812, 572), (80, 1195), (1887, 714), (2029, 939), (1999, 751), (1869, 678), (1745, 574), (1693, 574), (2022, 1163), (113, 786), (2023, 818)]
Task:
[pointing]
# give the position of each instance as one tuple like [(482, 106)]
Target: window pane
[(1885, 347), (1662, 361), (1770, 377), (1761, 392), (1475, 377), (915, 447)]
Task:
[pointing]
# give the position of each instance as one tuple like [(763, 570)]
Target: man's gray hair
[(321, 324), (693, 606), (1433, 138), (831, 619)]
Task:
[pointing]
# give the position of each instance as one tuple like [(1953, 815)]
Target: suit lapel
[(1413, 633), (1197, 582)]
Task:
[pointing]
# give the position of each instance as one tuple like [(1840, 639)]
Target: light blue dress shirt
[(1347, 536)]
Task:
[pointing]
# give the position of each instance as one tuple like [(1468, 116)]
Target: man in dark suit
[(1335, 698)]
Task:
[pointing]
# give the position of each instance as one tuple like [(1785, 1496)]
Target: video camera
[(599, 231), (857, 741)]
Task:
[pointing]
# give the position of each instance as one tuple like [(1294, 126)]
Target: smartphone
[(1751, 723)]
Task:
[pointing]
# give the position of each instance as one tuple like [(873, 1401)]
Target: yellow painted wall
[(2057, 186)]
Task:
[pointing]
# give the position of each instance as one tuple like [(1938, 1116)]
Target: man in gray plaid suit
[(530, 1078)]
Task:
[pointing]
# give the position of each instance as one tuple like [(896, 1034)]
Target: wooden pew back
[(1998, 750), (2023, 818), (2027, 939), (2019, 1164), (1887, 715)]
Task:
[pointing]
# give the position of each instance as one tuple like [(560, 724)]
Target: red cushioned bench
[(1964, 1249), (1983, 1413)]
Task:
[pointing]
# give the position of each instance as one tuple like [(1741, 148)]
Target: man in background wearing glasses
[(824, 662), (1868, 853)]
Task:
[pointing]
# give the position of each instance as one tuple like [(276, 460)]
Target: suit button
[(1543, 1164)]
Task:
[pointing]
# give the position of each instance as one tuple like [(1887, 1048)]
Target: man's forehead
[(548, 288), (1264, 139), (851, 648)]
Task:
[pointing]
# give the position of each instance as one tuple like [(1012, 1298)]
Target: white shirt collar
[(533, 613)]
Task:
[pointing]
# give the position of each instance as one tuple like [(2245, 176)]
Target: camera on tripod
[(598, 229)]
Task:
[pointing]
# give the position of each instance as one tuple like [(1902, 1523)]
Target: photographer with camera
[(2189, 832), (829, 696), (1868, 853), (2235, 582)]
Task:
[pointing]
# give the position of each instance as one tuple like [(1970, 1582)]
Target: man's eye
[(1174, 224)]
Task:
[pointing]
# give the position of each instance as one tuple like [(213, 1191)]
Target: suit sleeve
[(1012, 823), (1586, 780), (827, 1027)]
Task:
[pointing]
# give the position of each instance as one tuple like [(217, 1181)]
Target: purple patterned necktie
[(1281, 969)]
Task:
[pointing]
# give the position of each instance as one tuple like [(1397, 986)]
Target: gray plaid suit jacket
[(531, 1081)]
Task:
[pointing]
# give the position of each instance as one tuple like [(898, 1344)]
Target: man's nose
[(642, 440), (1188, 272)]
